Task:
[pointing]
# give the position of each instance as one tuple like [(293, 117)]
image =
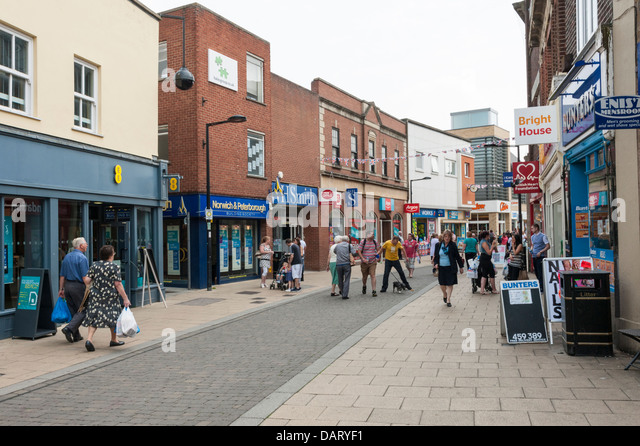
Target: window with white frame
[(586, 21), (335, 145), (354, 151), (255, 90), (255, 154), (435, 168), (450, 167), (397, 164), (419, 161), (16, 71), (85, 87), (162, 61), (467, 170), (383, 155), (372, 156)]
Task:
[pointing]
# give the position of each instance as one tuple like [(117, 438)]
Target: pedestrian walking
[(539, 247), (516, 256), (368, 252), (411, 249), (303, 251), (296, 264), (331, 265), (103, 304), (345, 259), (73, 272), (392, 249), (266, 254), (447, 260), (486, 269), (470, 246), (432, 248)]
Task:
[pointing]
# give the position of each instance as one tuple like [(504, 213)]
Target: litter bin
[(586, 306)]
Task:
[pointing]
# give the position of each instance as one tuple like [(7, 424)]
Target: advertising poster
[(28, 294), (224, 248), (582, 225), (236, 253), (552, 288), (248, 247), (7, 253), (173, 250)]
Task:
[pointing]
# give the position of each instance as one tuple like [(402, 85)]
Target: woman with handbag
[(486, 270), (446, 259), (265, 259), (516, 254), (103, 304)]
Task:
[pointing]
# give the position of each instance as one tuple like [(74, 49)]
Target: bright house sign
[(536, 125)]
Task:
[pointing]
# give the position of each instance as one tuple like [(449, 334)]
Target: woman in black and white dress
[(103, 302), (265, 259)]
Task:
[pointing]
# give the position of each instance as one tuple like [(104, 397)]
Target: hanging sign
[(617, 112), (411, 208), (526, 175), (536, 125)]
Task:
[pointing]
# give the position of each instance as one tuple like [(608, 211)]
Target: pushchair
[(279, 279), (474, 273)]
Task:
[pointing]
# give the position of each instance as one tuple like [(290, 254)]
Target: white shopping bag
[(126, 325), (472, 273)]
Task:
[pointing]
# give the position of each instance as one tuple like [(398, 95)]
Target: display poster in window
[(236, 253), (224, 248), (582, 225), (248, 247), (7, 252), (552, 288), (173, 250)]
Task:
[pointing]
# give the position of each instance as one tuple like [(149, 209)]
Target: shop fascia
[(311, 207)]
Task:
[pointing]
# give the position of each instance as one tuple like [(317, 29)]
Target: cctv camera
[(184, 79)]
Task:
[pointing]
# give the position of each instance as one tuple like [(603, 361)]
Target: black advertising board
[(523, 312), (35, 304)]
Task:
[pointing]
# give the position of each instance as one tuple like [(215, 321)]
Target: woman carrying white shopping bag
[(103, 303)]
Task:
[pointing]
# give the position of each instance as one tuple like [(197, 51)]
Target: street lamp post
[(208, 210)]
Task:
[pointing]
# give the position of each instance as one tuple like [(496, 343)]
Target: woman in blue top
[(446, 258), (470, 248)]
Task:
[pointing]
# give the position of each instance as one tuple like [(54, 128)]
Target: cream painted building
[(78, 141)]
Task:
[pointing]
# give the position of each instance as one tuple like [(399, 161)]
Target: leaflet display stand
[(35, 304)]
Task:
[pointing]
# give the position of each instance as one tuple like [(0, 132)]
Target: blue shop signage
[(430, 213), (223, 207), (617, 112), (295, 195), (578, 100)]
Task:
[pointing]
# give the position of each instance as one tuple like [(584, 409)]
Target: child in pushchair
[(282, 278)]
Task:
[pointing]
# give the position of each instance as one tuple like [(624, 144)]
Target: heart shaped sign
[(525, 171)]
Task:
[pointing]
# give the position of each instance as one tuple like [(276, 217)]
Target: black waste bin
[(586, 306)]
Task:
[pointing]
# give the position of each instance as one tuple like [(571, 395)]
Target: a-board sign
[(523, 312), (35, 304), (551, 268)]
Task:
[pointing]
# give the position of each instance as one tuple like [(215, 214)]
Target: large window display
[(69, 226), (237, 243), (23, 226)]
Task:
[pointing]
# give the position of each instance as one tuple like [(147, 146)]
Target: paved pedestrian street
[(273, 359)]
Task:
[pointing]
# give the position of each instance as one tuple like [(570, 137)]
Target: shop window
[(144, 238), (69, 226), (16, 71), (336, 224), (23, 225), (397, 224), (371, 224), (356, 227)]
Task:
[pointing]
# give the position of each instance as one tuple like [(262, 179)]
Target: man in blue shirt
[(539, 247), (74, 269)]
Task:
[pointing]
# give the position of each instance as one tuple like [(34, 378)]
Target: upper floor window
[(354, 151), (255, 90), (85, 88), (467, 170), (397, 164), (372, 156), (450, 167), (162, 61), (255, 154), (384, 160), (335, 145), (419, 161), (16, 71), (586, 21), (435, 168)]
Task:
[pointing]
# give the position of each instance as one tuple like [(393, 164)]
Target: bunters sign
[(579, 99), (537, 125), (617, 112)]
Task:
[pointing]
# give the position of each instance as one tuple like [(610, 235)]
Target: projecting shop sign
[(617, 112), (537, 125)]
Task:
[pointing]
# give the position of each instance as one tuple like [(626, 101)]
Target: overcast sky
[(416, 59)]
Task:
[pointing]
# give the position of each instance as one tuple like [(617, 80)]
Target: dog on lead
[(397, 285)]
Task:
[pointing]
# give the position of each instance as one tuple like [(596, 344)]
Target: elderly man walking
[(75, 267)]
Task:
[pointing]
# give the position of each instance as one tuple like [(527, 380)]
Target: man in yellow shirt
[(391, 249)]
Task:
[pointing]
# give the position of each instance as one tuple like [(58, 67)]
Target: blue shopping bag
[(61, 313)]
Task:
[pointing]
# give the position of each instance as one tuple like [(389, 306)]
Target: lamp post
[(411, 194), (208, 210)]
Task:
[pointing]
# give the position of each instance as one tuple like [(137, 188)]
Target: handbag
[(61, 313), (523, 275)]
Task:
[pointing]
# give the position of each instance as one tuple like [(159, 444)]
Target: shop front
[(425, 223), (457, 222), (492, 215), (237, 227), (110, 198)]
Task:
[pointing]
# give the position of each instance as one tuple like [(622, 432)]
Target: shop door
[(116, 234)]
